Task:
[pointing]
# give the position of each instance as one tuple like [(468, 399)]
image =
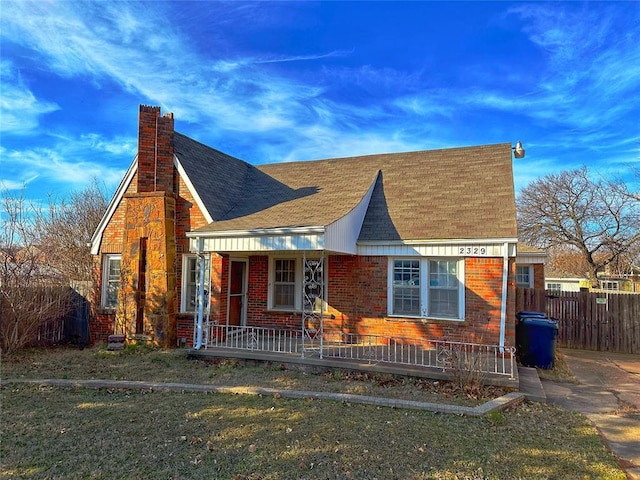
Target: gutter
[(503, 308)]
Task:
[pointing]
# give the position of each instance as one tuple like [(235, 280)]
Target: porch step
[(530, 384)]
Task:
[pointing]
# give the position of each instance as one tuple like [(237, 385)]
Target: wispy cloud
[(65, 162), (20, 110), (583, 84), (292, 104), (151, 59), (11, 185)]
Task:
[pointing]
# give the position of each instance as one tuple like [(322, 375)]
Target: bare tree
[(66, 227), (30, 292), (41, 251), (571, 209)]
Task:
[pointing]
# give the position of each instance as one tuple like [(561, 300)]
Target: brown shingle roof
[(438, 194)]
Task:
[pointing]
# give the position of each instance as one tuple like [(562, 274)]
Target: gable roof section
[(218, 179), (430, 195), (96, 239), (425, 196), (457, 193)]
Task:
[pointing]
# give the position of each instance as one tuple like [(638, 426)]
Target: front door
[(237, 315)]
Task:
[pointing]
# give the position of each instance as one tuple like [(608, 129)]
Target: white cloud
[(66, 163), (151, 59), (9, 185), (20, 110)]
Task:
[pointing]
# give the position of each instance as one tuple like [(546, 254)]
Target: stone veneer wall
[(149, 216)]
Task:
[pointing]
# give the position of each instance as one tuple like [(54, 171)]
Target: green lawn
[(84, 433)]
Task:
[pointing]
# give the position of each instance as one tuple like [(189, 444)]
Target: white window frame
[(187, 259), (106, 280), (425, 288), (554, 286), (611, 285), (529, 283), (297, 307)]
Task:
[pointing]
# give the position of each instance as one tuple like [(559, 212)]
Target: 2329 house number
[(472, 250)]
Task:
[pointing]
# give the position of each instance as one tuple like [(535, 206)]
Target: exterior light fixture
[(518, 151)]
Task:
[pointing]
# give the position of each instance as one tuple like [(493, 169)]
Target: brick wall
[(357, 298), (164, 226), (155, 151), (538, 275)]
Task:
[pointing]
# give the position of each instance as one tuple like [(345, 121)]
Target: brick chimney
[(155, 151), (147, 297)]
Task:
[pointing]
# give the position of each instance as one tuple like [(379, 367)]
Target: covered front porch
[(438, 359)]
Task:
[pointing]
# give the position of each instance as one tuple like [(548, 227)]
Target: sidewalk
[(608, 393)]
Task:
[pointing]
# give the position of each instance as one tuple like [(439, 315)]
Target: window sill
[(424, 319), (296, 312), (106, 311)]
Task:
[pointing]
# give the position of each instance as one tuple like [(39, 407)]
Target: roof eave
[(257, 232), (96, 239), (194, 193)]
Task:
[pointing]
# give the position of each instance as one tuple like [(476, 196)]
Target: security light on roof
[(518, 151)]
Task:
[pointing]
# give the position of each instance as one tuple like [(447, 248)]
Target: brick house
[(404, 245)]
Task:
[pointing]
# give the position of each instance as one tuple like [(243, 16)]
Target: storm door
[(237, 306)]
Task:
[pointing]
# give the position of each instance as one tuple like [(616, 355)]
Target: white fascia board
[(96, 240), (263, 240), (258, 232), (531, 258), (192, 189), (445, 241), (564, 279), (446, 248)]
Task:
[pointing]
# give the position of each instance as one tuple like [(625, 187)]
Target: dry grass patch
[(155, 365), (560, 371), (112, 433)]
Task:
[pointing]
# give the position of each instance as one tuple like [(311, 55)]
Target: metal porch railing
[(440, 354)]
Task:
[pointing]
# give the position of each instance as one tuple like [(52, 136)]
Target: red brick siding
[(101, 326), (538, 275), (357, 298), (184, 326), (155, 151)]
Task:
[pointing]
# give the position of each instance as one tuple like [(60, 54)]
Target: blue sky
[(280, 81)]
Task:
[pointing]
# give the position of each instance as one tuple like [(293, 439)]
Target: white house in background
[(559, 281)]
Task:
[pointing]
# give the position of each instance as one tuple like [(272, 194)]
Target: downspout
[(200, 302), (503, 309)]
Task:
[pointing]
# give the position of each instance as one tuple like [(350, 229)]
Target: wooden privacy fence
[(593, 321)]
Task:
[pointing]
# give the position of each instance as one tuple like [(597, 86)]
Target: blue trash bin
[(535, 341)]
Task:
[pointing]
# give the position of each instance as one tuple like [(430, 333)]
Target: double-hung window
[(406, 287), (284, 284), (286, 290), (190, 282), (110, 280), (523, 276), (421, 287), (444, 289)]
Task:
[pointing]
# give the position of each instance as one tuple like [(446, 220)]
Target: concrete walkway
[(608, 393)]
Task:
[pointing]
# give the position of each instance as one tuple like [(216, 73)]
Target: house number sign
[(475, 250)]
